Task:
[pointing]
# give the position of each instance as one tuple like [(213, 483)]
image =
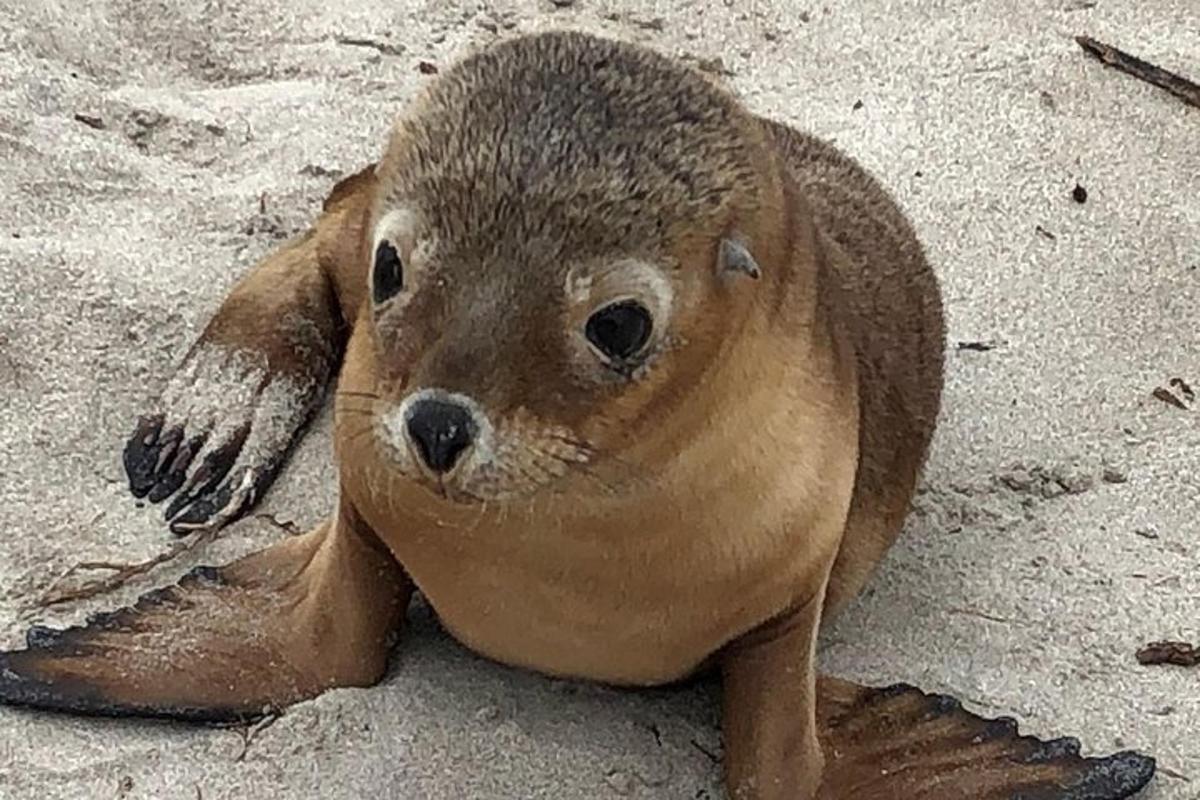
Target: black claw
[(181, 501), (167, 444), (196, 514), (141, 454), (201, 511), (165, 487), (176, 471), (210, 473)]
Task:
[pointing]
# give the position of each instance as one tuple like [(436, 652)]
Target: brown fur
[(889, 300), (713, 505)]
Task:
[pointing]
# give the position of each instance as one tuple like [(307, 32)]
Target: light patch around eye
[(625, 279), (398, 226), (591, 288)]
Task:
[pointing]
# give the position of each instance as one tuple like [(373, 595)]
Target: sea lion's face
[(555, 266), (507, 369)]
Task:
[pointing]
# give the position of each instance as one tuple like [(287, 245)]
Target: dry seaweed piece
[(386, 48), (1165, 396), (1179, 654), (977, 346), (1188, 393), (91, 121), (1177, 85), (122, 573)]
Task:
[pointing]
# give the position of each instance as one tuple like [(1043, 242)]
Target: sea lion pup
[(631, 382)]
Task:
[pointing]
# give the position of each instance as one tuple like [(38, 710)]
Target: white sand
[(116, 245)]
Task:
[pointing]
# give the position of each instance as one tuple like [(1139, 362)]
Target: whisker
[(351, 393), (582, 445), (366, 412), (470, 495), (628, 474), (355, 436), (355, 402), (483, 507), (590, 473)]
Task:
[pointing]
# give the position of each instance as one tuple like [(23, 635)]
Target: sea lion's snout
[(439, 431), (452, 444)]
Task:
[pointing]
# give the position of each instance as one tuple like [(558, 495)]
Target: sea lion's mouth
[(446, 490)]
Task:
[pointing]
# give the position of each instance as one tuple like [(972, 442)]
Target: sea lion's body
[(643, 585), (632, 381), (639, 587)]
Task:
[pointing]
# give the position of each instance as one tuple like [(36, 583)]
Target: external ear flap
[(735, 259), (350, 187), (898, 742), (343, 247), (278, 626)]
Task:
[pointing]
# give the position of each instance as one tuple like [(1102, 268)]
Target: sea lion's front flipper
[(282, 625), (214, 439), (899, 742)]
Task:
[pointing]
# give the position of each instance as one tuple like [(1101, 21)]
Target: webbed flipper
[(310, 613), (899, 743), (215, 438)]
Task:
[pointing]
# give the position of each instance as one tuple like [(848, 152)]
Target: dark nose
[(441, 431)]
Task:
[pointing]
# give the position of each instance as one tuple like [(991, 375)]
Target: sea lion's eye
[(388, 276), (619, 330)]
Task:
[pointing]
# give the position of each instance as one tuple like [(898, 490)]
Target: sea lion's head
[(564, 242)]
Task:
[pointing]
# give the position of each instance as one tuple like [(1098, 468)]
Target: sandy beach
[(151, 151)]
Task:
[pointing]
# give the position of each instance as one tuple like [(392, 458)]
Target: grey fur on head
[(579, 143)]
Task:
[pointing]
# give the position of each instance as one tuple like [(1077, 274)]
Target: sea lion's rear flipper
[(898, 742), (217, 435), (282, 625)]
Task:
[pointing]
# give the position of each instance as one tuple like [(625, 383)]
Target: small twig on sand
[(706, 752), (1177, 85), (1165, 396), (250, 732), (383, 47), (1179, 654), (122, 572), (970, 612), (1179, 776), (288, 527)]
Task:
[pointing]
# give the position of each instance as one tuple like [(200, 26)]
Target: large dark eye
[(619, 330), (388, 276)]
